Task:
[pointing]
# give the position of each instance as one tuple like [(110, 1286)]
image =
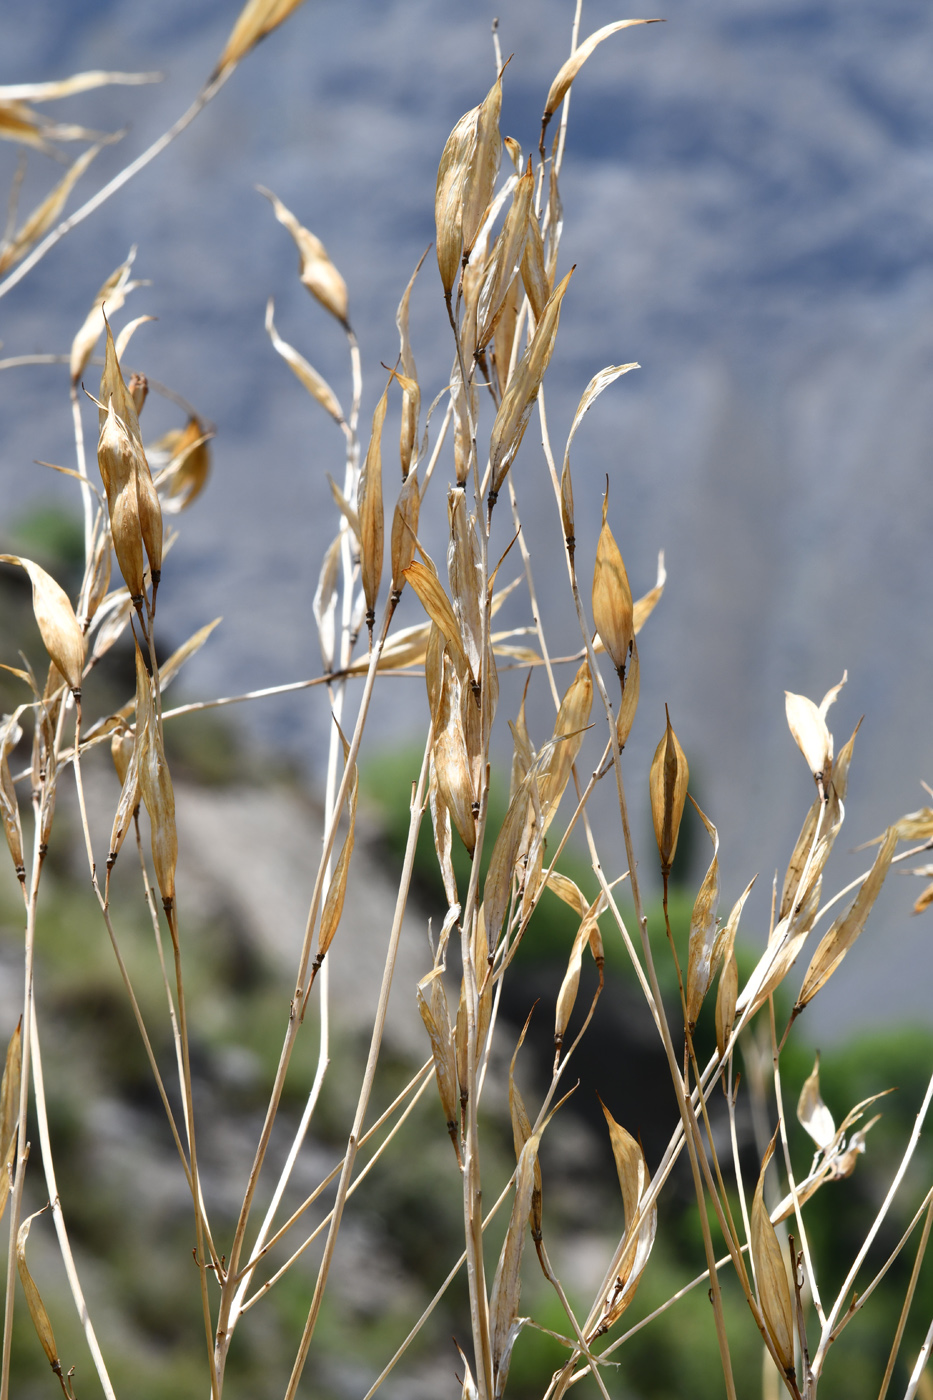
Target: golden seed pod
[(122, 746), (668, 781), (728, 990), (640, 1222), (451, 762), (705, 940), (572, 719), (436, 1017), (504, 264), (405, 528), (155, 784), (521, 1132), (628, 705), (58, 627), (534, 275), (812, 1114), (37, 1311), (613, 611), (771, 1274), (256, 19), (515, 408), (315, 268), (561, 84), (369, 510), (190, 465), (116, 458), (507, 1285), (465, 180)]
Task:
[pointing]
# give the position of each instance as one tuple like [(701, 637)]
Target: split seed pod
[(115, 395), (705, 945), (117, 460), (465, 180), (771, 1274), (668, 784)]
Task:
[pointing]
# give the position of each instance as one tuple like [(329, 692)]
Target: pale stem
[(57, 1214), (417, 808), (908, 1299), (920, 1366)]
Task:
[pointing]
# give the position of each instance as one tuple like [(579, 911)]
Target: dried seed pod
[(567, 996), (809, 728), (100, 576), (812, 1114), (9, 1111), (451, 761), (369, 509), (337, 889), (502, 862), (116, 398), (155, 784), (535, 280), (668, 785), (37, 1311), (190, 465), (256, 19), (561, 84), (641, 1222), (315, 268), (305, 373), (465, 180), (128, 805), (465, 571), (631, 689), (504, 1322), (61, 636), (836, 943), (440, 824), (405, 529), (705, 941), (504, 335), (515, 408), (116, 457), (613, 611), (122, 746), (411, 396), (138, 389), (771, 1274), (505, 262), (521, 1132), (728, 990), (572, 719), (438, 608), (436, 1017), (10, 735)]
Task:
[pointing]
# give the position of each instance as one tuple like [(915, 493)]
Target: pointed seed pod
[(668, 786), (613, 611), (58, 627), (771, 1274), (369, 509)]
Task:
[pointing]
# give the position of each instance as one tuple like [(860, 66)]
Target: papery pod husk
[(58, 627), (481, 176), (337, 889), (138, 387), (451, 761), (812, 1114), (569, 70), (728, 990), (771, 1274), (436, 1018), (111, 297), (833, 815), (434, 667), (518, 400), (572, 719), (37, 1310), (122, 745), (315, 269), (924, 900), (534, 275), (439, 609), (440, 824), (405, 529), (521, 1132), (836, 943), (369, 509), (469, 1390), (505, 263), (705, 944), (532, 852), (640, 1224), (190, 464), (523, 755), (316, 385), (465, 571), (256, 19), (411, 399), (45, 213), (568, 891), (613, 611), (810, 733), (113, 390), (115, 397), (667, 782), (471, 721), (504, 335), (504, 1322), (324, 605), (466, 177), (628, 704), (155, 784), (116, 457), (10, 735), (567, 996), (499, 877)]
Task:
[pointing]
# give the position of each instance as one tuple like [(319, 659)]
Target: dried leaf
[(771, 1274), (58, 626), (190, 465), (668, 785), (315, 269), (316, 386), (613, 611), (438, 608), (646, 605), (815, 1118), (836, 943), (515, 409), (561, 84), (705, 946), (40, 1318), (411, 396), (465, 571), (256, 19)]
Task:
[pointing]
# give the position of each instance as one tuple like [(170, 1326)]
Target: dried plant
[(499, 254)]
